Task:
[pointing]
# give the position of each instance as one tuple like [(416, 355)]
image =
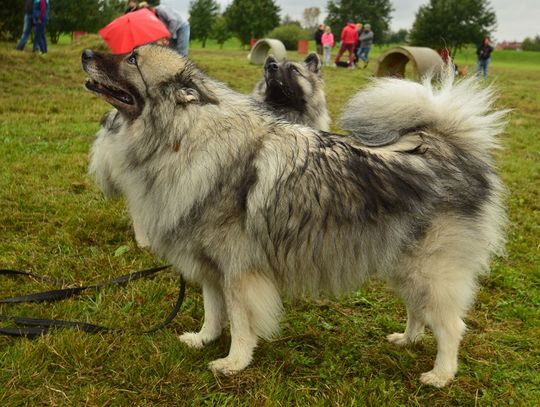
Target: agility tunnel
[(266, 46), (421, 60)]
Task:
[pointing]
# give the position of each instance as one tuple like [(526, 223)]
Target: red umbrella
[(133, 29)]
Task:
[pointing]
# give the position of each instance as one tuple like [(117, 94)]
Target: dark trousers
[(40, 42), (342, 49), (27, 30)]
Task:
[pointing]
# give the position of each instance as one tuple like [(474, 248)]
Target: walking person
[(349, 38), (357, 47), (318, 35), (483, 52), (366, 40), (40, 16), (175, 23), (27, 25), (327, 41)]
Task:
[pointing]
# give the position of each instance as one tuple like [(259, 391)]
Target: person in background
[(366, 40), (132, 6), (27, 27), (318, 35), (175, 23), (327, 40), (483, 52), (357, 47), (40, 16), (349, 38)]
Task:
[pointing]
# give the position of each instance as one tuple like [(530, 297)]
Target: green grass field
[(55, 221)]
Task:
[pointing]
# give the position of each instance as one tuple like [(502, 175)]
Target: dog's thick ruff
[(248, 205)]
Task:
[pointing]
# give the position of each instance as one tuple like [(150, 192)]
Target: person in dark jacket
[(483, 53), (27, 27), (366, 40), (40, 16), (318, 36)]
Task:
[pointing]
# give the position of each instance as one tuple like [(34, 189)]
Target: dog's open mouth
[(109, 91)]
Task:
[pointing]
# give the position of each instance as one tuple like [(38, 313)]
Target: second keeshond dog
[(249, 205), (294, 91)]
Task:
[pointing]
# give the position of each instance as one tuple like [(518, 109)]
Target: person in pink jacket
[(327, 41), (349, 38)]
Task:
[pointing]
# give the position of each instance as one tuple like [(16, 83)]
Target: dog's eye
[(294, 69), (132, 59)]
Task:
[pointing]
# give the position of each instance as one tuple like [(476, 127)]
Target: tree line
[(450, 24)]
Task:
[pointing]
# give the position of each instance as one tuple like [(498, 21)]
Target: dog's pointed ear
[(195, 93), (313, 62)]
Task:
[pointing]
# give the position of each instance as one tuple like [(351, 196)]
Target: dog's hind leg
[(214, 317), (438, 296), (448, 330), (254, 307), (449, 292)]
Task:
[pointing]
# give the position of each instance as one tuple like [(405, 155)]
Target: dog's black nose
[(272, 66), (87, 55)]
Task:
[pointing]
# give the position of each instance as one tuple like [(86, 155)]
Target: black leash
[(33, 327)]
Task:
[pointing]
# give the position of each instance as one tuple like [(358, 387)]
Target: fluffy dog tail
[(390, 108)]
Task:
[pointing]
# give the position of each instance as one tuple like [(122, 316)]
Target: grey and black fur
[(249, 205), (294, 91)]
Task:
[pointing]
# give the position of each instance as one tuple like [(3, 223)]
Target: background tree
[(252, 18), (531, 44), (289, 35), (287, 20), (220, 30), (398, 37), (452, 24), (66, 16), (311, 17), (375, 12), (203, 13), (11, 19)]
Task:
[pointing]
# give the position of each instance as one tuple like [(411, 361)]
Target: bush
[(11, 20), (289, 35)]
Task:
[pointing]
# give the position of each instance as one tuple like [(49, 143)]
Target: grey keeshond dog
[(249, 205), (295, 91)]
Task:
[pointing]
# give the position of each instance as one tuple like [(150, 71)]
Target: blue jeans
[(483, 67), (327, 50), (40, 42), (363, 53), (27, 30), (181, 42)]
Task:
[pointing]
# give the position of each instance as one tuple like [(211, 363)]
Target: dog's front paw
[(227, 366), (398, 339), (192, 339), (142, 241), (437, 379)]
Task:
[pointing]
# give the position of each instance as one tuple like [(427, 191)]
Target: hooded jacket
[(349, 34)]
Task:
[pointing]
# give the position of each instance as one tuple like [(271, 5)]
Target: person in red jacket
[(349, 39)]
